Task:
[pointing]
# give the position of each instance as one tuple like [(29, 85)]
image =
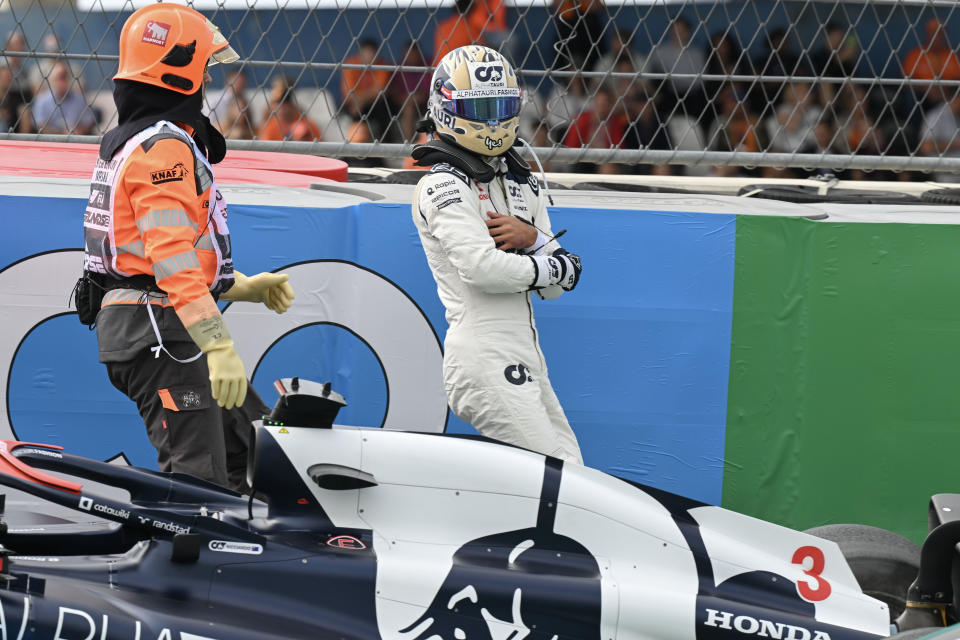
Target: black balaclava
[(140, 105)]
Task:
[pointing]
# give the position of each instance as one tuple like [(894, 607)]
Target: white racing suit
[(493, 370)]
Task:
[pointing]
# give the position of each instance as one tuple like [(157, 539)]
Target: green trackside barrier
[(844, 396)]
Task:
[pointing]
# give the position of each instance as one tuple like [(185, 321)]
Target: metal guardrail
[(597, 156), (688, 85)]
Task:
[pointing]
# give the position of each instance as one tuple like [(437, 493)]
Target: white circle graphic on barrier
[(31, 291), (376, 310)]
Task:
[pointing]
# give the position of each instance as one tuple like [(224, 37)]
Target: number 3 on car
[(817, 589)]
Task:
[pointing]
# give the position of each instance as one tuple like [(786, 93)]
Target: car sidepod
[(477, 540), (373, 534)]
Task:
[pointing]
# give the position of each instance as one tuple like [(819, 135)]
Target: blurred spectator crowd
[(820, 97), (606, 90), (42, 94)]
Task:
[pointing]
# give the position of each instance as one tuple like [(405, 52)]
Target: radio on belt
[(304, 403)]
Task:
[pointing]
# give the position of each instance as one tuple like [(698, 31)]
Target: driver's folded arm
[(456, 217)]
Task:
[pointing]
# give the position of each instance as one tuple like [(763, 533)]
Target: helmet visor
[(483, 105), (223, 52), (224, 56)]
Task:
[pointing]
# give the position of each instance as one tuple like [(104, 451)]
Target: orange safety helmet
[(170, 45)]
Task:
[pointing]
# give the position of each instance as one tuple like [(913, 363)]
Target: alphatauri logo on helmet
[(491, 73), (156, 33)]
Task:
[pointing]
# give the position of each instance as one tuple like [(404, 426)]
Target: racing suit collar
[(497, 163)]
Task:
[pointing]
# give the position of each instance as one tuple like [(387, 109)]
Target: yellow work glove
[(228, 379), (272, 289)]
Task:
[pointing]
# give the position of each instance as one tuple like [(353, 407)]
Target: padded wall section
[(843, 399), (638, 353)]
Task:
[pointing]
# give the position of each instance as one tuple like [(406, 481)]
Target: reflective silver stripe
[(165, 218), (133, 295), (206, 242), (204, 176), (133, 248), (175, 264)]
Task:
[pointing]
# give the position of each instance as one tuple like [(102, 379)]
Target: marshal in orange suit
[(157, 242)]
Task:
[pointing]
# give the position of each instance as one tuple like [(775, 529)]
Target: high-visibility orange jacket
[(154, 210)]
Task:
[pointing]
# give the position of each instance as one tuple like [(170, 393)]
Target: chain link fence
[(714, 87)]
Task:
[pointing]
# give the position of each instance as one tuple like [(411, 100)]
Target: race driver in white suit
[(484, 226)]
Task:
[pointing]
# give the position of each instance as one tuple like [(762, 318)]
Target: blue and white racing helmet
[(475, 100)]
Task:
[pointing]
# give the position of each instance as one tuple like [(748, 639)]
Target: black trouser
[(189, 431)]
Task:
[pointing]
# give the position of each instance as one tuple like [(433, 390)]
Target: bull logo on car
[(505, 585)]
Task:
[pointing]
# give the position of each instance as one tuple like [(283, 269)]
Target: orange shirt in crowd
[(459, 31), (568, 9), (363, 81), (742, 134), (491, 15), (302, 130), (931, 65), (934, 60), (589, 131), (455, 31), (408, 162)]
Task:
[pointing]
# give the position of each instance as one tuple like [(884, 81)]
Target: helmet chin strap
[(426, 125)]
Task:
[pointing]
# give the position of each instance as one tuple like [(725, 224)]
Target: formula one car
[(369, 534)]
